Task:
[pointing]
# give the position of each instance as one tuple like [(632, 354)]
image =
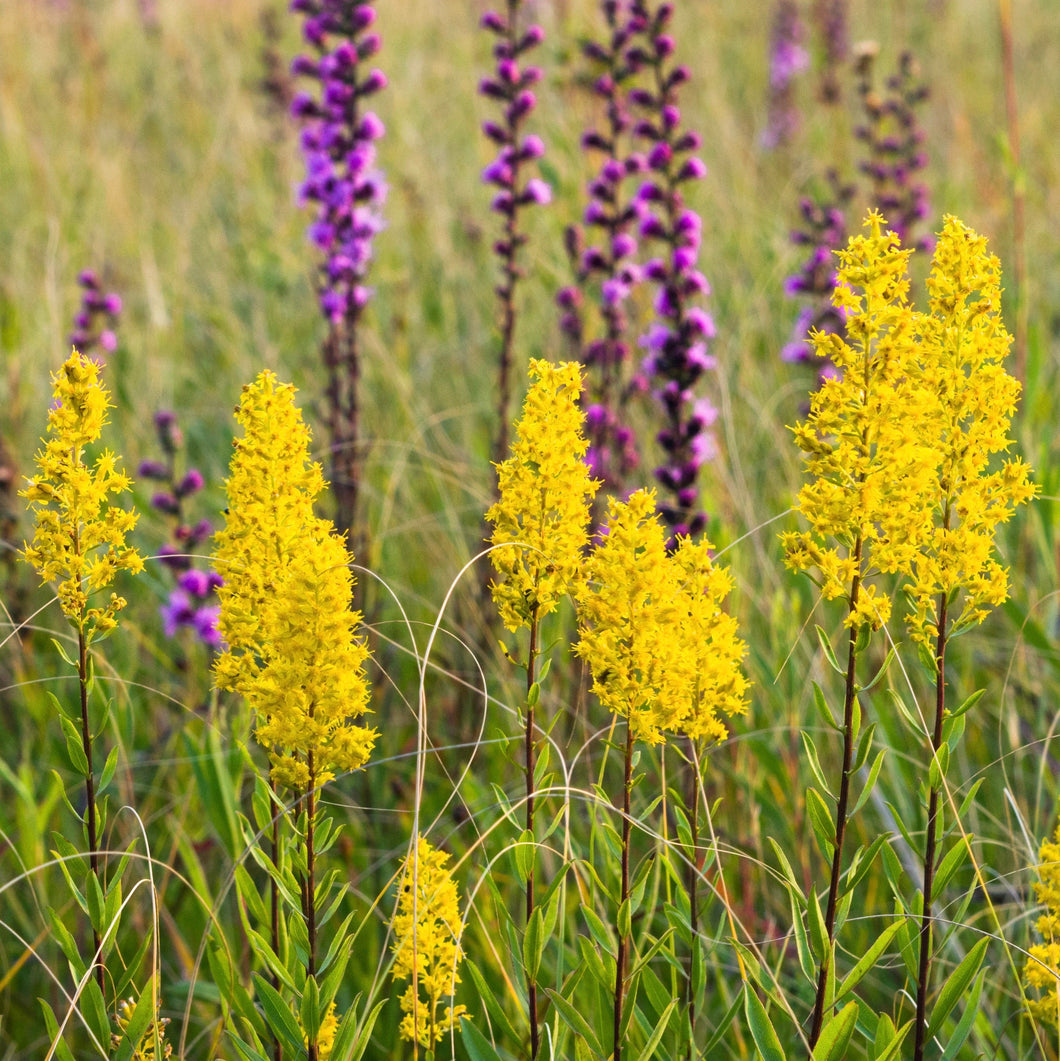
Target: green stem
[(691, 880), (841, 808), (623, 943), (274, 910), (924, 973), (310, 887)]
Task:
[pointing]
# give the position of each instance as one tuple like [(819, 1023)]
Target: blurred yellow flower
[(79, 538), (1042, 969), (545, 498), (427, 944)]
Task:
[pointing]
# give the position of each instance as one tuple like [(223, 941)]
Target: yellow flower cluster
[(870, 452), (663, 655), (545, 498), (286, 617), (427, 944), (79, 538), (962, 344), (326, 1034), (1042, 970), (145, 1049)]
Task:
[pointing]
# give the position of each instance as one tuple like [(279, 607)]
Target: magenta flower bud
[(151, 469), (692, 169), (108, 340), (533, 147), (303, 105), (508, 70), (166, 502), (112, 304), (370, 126), (490, 88), (531, 38), (83, 321), (304, 66), (375, 82), (623, 245), (190, 484), (537, 191), (660, 155), (493, 22), (88, 278), (368, 45), (664, 46), (363, 17)]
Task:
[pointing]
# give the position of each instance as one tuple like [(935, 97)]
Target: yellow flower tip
[(541, 519), (79, 537)]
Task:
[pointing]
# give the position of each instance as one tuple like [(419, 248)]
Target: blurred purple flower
[(96, 321), (787, 59)]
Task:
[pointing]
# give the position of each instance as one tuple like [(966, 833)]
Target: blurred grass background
[(148, 150)]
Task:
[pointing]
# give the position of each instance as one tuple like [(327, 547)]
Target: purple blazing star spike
[(787, 59), (96, 321), (192, 601), (604, 270), (510, 87), (830, 18), (347, 191), (676, 342), (822, 231), (894, 143)]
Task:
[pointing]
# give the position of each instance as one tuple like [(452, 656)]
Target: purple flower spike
[(509, 85), (677, 340), (96, 322), (347, 192), (787, 59)]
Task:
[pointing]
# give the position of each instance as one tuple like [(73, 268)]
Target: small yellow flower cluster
[(869, 451), (145, 1049), (427, 944), (663, 654), (1042, 970), (79, 539), (545, 498), (286, 617), (963, 343), (899, 448), (326, 1034)]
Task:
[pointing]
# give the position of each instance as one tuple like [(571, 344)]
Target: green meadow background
[(149, 151)]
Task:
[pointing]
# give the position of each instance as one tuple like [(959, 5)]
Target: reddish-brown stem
[(90, 790), (692, 880), (531, 982), (623, 943), (841, 807), (923, 982), (274, 909)]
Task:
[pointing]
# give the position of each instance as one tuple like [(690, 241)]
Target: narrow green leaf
[(722, 1027), (870, 781), (648, 1052), (964, 1025), (762, 1030), (524, 852), (309, 1010), (826, 648), (353, 1035), (94, 1010), (625, 920), (821, 820), (951, 863), (821, 705), (75, 750), (96, 904), (278, 1013), (956, 984), (109, 768), (137, 1027), (51, 1026), (835, 1036), (818, 933), (815, 763), (478, 1047), (970, 797), (861, 756), (904, 710), (937, 769), (493, 1007), (802, 941), (881, 672), (868, 959), (888, 1050), (572, 1017), (968, 703), (792, 883), (533, 944)]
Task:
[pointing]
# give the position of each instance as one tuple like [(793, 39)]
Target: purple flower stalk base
[(193, 602), (511, 85), (677, 341), (96, 322), (348, 192), (605, 270), (787, 59)]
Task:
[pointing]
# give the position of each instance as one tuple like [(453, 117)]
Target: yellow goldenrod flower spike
[(962, 344), (286, 606), (79, 538), (869, 451), (628, 612), (545, 496), (427, 944), (1042, 971)]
